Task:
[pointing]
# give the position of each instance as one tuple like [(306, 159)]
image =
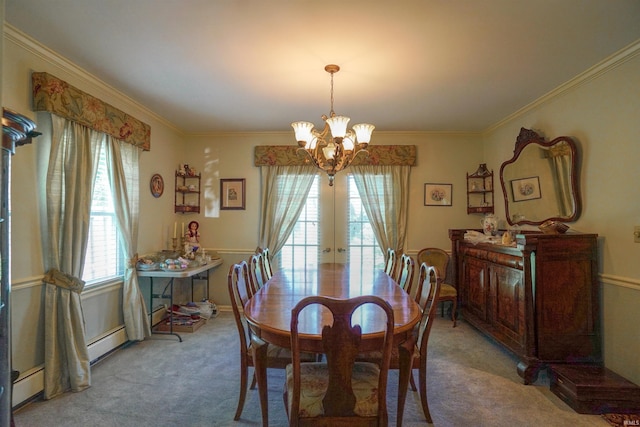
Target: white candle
[(175, 224), (183, 228)]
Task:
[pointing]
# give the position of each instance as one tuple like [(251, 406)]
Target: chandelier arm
[(310, 156)]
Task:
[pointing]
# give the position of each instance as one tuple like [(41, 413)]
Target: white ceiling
[(257, 65)]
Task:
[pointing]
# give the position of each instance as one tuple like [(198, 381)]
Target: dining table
[(268, 314)]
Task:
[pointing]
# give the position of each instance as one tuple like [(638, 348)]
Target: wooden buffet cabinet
[(539, 299)]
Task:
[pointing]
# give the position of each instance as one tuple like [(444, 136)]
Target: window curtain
[(71, 172), (284, 193), (384, 191), (561, 169), (122, 160)]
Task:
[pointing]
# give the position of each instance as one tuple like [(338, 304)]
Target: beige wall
[(601, 113)]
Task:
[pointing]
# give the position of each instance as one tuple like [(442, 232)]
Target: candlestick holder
[(174, 243)]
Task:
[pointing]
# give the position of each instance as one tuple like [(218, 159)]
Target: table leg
[(259, 353), (405, 360), (152, 296)]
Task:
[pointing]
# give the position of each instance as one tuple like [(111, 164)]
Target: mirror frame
[(528, 137)]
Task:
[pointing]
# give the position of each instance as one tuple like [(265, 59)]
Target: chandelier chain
[(331, 112)]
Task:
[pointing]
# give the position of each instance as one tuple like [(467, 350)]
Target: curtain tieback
[(133, 261), (64, 280)]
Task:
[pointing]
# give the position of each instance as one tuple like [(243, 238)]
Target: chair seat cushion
[(447, 291), (315, 381), (283, 355)]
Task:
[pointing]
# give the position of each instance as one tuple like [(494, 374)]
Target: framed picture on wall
[(526, 189), (438, 194), (232, 194), (156, 185)]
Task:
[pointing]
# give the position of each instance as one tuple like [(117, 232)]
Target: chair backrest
[(266, 261), (390, 262), (429, 284), (239, 293), (435, 257), (256, 272), (406, 269), (341, 344)]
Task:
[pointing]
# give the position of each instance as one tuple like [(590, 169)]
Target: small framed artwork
[(232, 193), (438, 194), (156, 185), (525, 189)]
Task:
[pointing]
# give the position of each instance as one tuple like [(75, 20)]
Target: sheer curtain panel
[(284, 193), (384, 191)]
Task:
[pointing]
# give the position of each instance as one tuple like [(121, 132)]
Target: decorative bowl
[(553, 227), (147, 267)]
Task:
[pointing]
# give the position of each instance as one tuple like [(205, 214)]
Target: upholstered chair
[(340, 391), (439, 258)]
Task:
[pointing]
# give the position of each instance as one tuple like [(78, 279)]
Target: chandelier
[(335, 147)]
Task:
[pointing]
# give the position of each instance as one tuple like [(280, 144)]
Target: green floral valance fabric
[(59, 97), (289, 155)]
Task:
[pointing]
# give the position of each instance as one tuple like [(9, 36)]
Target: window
[(104, 258)]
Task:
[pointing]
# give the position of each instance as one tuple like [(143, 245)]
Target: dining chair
[(266, 261), (439, 258), (428, 285), (277, 357), (405, 269), (390, 262), (256, 272), (340, 391)]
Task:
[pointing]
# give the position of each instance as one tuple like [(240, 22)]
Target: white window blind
[(104, 258)]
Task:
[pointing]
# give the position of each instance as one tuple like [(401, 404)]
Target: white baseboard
[(31, 383), (28, 385), (106, 343)]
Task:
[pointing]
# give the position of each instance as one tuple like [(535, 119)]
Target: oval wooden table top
[(269, 311)]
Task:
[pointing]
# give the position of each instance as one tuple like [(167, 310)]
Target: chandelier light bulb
[(303, 131), (338, 126), (363, 132)]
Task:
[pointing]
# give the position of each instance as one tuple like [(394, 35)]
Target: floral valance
[(288, 155), (59, 97)]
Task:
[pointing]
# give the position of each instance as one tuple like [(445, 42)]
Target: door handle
[(341, 250), (326, 250)]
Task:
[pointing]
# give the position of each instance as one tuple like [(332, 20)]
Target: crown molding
[(22, 40), (617, 59)]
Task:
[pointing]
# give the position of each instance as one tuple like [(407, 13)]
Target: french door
[(333, 228)]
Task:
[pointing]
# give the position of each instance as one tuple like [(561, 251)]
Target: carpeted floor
[(160, 382)]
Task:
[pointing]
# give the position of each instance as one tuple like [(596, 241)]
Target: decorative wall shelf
[(480, 191), (187, 194)]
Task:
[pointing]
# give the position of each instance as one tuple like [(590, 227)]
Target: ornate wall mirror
[(540, 182)]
